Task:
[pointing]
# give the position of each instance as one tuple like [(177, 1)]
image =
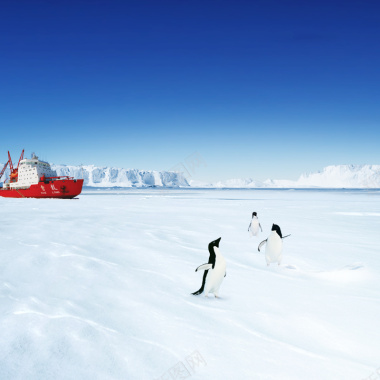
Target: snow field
[(99, 287)]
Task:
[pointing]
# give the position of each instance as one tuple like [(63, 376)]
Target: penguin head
[(214, 243), (254, 214), (277, 228)]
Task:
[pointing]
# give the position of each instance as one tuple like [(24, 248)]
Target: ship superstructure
[(29, 172), (34, 178)]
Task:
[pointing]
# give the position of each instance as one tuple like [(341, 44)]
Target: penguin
[(215, 271), (254, 226), (273, 249)]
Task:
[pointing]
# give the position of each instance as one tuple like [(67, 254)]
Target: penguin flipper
[(261, 244), (204, 267), (201, 289)]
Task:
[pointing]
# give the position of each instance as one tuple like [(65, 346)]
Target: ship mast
[(21, 157), (10, 162)]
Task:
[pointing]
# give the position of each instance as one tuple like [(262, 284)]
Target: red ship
[(33, 178)]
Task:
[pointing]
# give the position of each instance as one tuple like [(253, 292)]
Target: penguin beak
[(217, 242)]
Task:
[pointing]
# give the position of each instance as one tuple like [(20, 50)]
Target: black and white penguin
[(255, 226), (273, 249), (215, 271)]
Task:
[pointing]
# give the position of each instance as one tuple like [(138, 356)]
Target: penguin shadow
[(354, 266), (292, 267), (273, 254)]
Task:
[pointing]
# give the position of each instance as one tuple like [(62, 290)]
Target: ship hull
[(63, 188)]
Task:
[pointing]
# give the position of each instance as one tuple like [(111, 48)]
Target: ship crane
[(14, 171), (4, 168)]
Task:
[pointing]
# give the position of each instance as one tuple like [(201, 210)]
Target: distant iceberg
[(239, 183), (116, 177)]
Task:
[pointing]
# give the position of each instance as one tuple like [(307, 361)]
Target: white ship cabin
[(30, 172)]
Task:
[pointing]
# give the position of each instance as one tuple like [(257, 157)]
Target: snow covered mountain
[(338, 176), (116, 177), (239, 183), (112, 177), (334, 176)]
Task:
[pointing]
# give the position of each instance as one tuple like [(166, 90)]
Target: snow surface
[(99, 287)]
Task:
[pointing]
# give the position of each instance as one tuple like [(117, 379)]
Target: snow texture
[(99, 287)]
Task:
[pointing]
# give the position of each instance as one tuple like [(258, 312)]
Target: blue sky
[(259, 89)]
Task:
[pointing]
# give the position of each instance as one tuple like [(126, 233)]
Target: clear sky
[(259, 89)]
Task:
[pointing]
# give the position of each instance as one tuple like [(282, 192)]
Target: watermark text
[(374, 375), (185, 368)]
